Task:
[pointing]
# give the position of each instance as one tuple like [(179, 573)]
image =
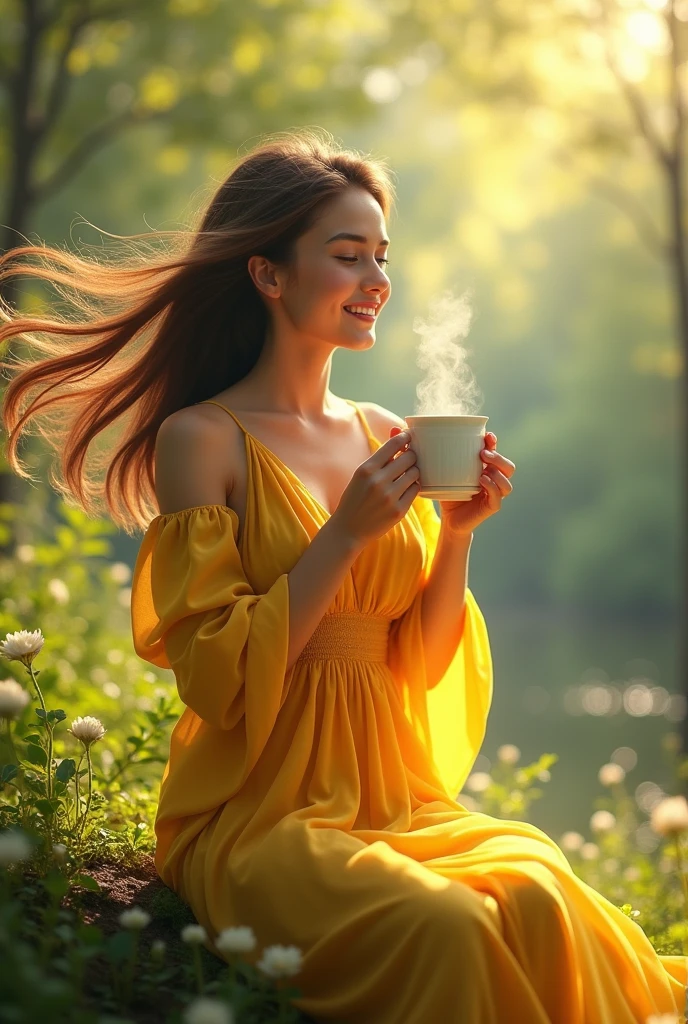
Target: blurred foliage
[(523, 174)]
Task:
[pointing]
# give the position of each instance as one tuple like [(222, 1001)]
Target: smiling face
[(331, 273)]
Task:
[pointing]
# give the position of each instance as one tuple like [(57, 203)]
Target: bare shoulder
[(381, 420), (192, 459)]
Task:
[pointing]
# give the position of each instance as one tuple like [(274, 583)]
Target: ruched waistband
[(349, 635)]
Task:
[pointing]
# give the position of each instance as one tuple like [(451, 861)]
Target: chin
[(365, 341)]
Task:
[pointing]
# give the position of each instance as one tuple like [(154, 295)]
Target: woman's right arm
[(314, 581)]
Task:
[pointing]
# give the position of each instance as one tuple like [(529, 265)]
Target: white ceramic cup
[(447, 453)]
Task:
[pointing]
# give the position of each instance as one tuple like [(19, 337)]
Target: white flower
[(60, 851), (204, 1010), (571, 841), (194, 934), (13, 698), (670, 815), (14, 847), (602, 821), (25, 552), (545, 775), (59, 590), (134, 918), (610, 865), (632, 873), (508, 753), (589, 851), (87, 729), (611, 774), (22, 645), (236, 940), (280, 961), (120, 572), (158, 947), (478, 781)]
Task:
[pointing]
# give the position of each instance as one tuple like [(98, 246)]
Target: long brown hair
[(173, 322)]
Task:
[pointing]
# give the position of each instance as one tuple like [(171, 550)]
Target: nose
[(379, 282)]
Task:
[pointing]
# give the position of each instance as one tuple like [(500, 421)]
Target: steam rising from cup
[(446, 434), (449, 387)]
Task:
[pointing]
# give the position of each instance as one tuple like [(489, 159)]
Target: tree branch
[(647, 230), (104, 13), (633, 95), (6, 75), (85, 149), (59, 85), (675, 84)]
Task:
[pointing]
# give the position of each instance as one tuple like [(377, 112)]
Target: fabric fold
[(451, 717), (227, 645)]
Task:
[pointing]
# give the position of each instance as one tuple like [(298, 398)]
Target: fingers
[(493, 459), (493, 476), (396, 443)]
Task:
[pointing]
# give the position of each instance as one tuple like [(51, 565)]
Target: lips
[(365, 317)]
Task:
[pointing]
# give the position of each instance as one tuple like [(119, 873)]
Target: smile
[(366, 317)]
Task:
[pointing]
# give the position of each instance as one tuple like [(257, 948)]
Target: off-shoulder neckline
[(198, 508), (373, 444), (249, 437)]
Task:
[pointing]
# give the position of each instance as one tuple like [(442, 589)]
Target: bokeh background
[(539, 151)]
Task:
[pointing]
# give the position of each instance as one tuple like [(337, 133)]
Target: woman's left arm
[(443, 605)]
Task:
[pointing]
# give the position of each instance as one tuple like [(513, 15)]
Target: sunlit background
[(535, 147)]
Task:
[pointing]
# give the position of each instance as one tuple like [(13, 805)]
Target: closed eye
[(352, 259)]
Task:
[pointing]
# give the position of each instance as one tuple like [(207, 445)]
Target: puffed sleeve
[(451, 717), (194, 611)]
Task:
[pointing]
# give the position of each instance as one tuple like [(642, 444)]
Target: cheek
[(334, 279), (328, 287)]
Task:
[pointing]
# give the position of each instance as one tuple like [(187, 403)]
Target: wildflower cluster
[(47, 822)]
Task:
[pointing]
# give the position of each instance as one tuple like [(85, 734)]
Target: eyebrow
[(353, 238)]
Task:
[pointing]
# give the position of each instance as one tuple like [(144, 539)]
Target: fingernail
[(488, 454)]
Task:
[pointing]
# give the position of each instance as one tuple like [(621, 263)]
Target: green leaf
[(40, 712), (87, 881), (96, 547), (57, 716), (8, 772), (47, 807), (66, 538), (65, 769), (36, 755), (119, 946), (89, 934), (56, 884)]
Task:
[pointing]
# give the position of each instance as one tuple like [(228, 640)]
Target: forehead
[(355, 210)]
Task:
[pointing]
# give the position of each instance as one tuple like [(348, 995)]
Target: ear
[(263, 276)]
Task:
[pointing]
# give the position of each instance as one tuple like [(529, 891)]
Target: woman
[(335, 668)]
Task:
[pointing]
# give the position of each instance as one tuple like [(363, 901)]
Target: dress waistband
[(349, 635)]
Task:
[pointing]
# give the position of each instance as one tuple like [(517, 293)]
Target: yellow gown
[(317, 804)]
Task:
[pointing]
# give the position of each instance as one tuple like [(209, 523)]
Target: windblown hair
[(174, 321)]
